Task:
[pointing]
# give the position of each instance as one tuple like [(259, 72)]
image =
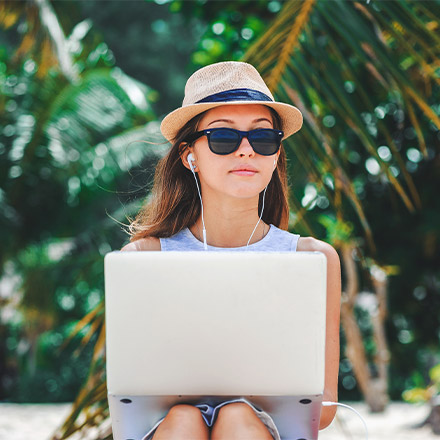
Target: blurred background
[(83, 85)]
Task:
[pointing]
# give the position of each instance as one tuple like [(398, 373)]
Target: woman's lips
[(244, 170)]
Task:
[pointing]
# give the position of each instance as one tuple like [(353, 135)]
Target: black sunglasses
[(264, 141)]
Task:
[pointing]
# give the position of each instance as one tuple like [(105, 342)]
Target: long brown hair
[(175, 203)]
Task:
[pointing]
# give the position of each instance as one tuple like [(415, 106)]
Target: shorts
[(209, 414)]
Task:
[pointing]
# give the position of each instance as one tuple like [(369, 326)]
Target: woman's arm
[(332, 323)]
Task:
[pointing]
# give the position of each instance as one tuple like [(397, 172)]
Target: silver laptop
[(189, 326)]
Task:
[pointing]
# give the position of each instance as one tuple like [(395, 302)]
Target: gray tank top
[(276, 240)]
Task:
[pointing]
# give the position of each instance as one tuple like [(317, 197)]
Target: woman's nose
[(245, 148)]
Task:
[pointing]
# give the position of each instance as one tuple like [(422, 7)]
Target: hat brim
[(291, 117)]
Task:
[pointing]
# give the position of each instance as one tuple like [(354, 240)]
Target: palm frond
[(90, 408), (338, 58), (289, 44), (83, 323)]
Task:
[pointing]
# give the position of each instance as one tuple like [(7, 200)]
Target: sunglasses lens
[(265, 142), (223, 141)]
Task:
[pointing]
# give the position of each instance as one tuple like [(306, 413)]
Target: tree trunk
[(374, 389)]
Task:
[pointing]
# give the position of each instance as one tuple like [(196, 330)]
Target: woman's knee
[(184, 412), (239, 420), (182, 422), (237, 411)]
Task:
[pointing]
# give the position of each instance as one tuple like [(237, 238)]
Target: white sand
[(30, 421), (38, 422), (396, 423)]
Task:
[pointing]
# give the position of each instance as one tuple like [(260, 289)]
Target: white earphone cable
[(259, 220), (205, 244), (349, 407)]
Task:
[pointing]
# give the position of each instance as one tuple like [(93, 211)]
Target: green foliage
[(58, 373), (230, 29), (423, 394), (150, 43), (65, 148), (338, 232)]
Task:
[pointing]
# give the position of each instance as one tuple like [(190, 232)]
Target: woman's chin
[(246, 193), (241, 190)]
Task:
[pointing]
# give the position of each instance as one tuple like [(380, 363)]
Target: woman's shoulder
[(143, 244), (310, 244)]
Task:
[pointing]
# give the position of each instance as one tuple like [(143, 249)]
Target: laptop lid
[(219, 324)]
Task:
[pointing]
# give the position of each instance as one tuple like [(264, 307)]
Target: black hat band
[(236, 95)]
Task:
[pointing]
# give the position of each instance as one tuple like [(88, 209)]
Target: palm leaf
[(90, 408), (289, 44), (313, 49)]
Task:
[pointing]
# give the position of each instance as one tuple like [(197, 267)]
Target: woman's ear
[(184, 158)]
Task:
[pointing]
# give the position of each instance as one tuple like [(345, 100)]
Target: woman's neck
[(229, 223)]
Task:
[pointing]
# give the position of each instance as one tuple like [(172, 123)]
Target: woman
[(223, 186)]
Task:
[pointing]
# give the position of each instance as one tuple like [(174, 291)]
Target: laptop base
[(296, 417)]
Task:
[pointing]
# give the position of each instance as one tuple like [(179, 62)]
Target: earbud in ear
[(274, 163), (191, 161)]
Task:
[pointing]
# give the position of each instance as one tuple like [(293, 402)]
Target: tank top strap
[(281, 241)]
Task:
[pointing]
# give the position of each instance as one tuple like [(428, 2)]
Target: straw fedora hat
[(227, 83)]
